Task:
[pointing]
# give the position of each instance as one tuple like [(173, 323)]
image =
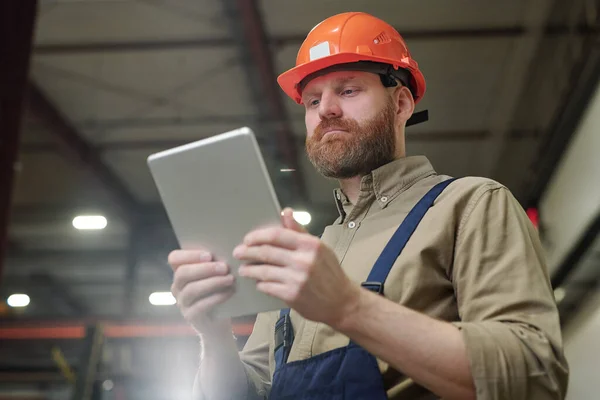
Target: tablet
[(215, 191)]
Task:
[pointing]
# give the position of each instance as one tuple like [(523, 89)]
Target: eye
[(349, 92), (313, 102)]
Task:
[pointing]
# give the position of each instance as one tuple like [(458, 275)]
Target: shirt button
[(384, 199), (351, 224)]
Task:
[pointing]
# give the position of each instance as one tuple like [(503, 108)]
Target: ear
[(405, 103)]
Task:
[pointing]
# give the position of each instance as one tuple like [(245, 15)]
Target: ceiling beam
[(572, 261), (79, 149), (17, 21), (280, 41), (511, 84), (23, 214), (159, 144), (57, 293), (114, 283), (130, 283), (249, 33), (38, 259), (76, 147)]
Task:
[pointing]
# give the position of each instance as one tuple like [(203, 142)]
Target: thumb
[(289, 222)]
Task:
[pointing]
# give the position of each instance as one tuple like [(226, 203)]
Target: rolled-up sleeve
[(508, 315)]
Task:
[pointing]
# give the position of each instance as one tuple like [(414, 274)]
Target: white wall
[(582, 347), (570, 204), (572, 199)]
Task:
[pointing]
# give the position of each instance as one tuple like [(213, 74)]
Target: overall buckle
[(376, 287), (284, 332)]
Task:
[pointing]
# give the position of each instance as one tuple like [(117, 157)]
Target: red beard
[(357, 151)]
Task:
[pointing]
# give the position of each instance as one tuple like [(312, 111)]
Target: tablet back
[(215, 191)]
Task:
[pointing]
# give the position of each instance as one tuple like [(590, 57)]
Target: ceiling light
[(162, 299), (18, 300), (287, 170), (89, 222), (302, 217), (108, 385)]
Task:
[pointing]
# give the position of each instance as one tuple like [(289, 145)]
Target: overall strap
[(394, 247), (284, 332), (284, 336)]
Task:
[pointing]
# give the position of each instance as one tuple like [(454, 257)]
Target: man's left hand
[(296, 267)]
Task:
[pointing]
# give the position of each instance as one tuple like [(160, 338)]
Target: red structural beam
[(120, 330)]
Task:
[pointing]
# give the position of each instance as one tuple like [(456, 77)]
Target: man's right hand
[(199, 284)]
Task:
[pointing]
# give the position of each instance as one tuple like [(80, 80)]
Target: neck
[(351, 188)]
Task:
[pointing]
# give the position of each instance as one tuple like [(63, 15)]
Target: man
[(424, 287)]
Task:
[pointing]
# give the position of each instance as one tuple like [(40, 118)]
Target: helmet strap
[(418, 118), (388, 80)]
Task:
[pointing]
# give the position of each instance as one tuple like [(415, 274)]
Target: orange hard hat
[(358, 41)]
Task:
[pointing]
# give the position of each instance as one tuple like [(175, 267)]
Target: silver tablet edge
[(236, 132)]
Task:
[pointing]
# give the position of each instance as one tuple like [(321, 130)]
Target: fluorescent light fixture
[(559, 294), (287, 170), (89, 222), (302, 217), (162, 299), (18, 300)]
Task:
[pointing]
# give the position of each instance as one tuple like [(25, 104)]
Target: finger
[(269, 273), (276, 236), (181, 257), (205, 305), (194, 272), (276, 289), (264, 254), (195, 291), (289, 222)]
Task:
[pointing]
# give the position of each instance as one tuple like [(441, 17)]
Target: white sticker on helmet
[(319, 51)]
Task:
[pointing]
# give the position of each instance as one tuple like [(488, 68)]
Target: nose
[(329, 107)]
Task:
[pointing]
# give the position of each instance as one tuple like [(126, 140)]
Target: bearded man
[(425, 286)]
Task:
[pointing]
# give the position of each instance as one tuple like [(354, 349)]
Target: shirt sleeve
[(255, 356), (508, 315)]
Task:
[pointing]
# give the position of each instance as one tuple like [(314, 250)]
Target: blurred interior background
[(90, 88)]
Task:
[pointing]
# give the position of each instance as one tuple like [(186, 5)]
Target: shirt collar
[(388, 181)]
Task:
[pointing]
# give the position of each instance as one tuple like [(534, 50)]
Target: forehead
[(338, 77)]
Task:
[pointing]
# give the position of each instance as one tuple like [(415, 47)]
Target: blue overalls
[(346, 373)]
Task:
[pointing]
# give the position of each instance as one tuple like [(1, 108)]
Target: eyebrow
[(336, 82), (341, 81)]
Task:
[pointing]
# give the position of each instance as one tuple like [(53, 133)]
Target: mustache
[(337, 123)]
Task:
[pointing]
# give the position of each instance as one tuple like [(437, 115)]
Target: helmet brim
[(289, 80)]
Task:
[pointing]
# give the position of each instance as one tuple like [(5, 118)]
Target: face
[(350, 122)]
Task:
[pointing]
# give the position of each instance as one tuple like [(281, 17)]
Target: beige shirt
[(475, 260)]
